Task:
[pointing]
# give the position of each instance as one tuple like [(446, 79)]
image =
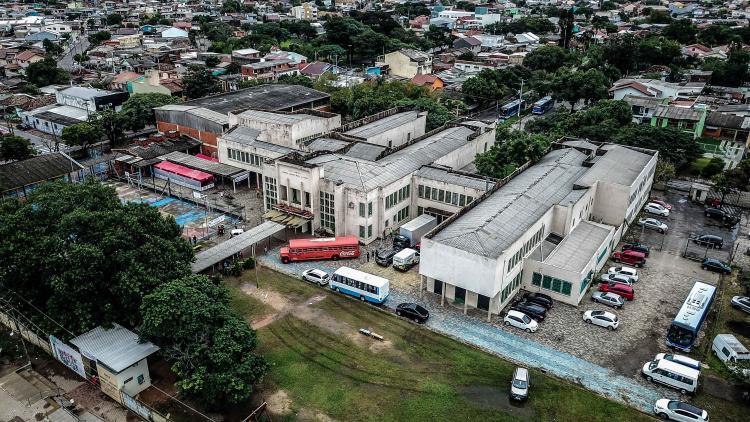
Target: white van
[(405, 259), (727, 348), (672, 374)]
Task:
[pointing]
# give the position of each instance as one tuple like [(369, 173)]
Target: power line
[(184, 404), (37, 309)]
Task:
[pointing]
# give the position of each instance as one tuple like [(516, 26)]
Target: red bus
[(320, 248)]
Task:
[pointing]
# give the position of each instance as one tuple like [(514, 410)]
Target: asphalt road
[(42, 145), (78, 45)]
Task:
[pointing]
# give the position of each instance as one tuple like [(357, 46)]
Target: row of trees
[(78, 254), (605, 121)]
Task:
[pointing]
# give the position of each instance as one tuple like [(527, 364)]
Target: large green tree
[(199, 82), (212, 351), (82, 134), (46, 72), (76, 252), (15, 148), (139, 109), (511, 150)]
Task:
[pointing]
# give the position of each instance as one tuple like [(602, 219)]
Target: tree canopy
[(211, 349), (139, 109), (15, 148), (511, 150), (77, 252), (199, 82), (46, 72), (83, 134)]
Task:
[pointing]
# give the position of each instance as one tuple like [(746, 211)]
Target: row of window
[(526, 248), (327, 211), (585, 282), (672, 375), (440, 195), (355, 283), (244, 157), (362, 208), (271, 194), (296, 197), (551, 283), (328, 249), (397, 197), (401, 215), (362, 232), (513, 285)]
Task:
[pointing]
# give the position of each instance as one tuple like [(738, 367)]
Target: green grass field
[(415, 375)]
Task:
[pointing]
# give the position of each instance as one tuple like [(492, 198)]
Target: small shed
[(699, 192), (119, 357)]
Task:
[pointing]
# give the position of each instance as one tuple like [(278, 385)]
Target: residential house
[(27, 57), (643, 108), (687, 119), (269, 70), (306, 11), (472, 44), (153, 82), (655, 88), (432, 82), (408, 63), (317, 69), (245, 56)]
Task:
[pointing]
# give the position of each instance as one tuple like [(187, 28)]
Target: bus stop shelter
[(210, 257), (218, 170)]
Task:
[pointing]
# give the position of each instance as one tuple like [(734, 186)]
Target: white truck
[(405, 259), (729, 350), (418, 227)]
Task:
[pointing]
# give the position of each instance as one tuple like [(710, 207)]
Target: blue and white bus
[(366, 287), (543, 105), (684, 329), (510, 109)]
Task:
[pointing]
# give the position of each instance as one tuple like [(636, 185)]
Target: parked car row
[(528, 312)]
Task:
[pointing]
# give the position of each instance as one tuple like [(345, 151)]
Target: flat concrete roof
[(577, 248), (263, 97)]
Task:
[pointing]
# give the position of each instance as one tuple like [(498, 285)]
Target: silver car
[(609, 298), (653, 224), (519, 386), (616, 278), (316, 276), (742, 303)]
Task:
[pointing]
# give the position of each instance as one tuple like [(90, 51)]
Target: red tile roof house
[(24, 59), (317, 69), (430, 81)]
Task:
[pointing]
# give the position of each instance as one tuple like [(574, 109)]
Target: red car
[(662, 203), (713, 202), (621, 289), (637, 259)]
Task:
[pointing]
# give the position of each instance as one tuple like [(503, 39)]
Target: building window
[(271, 194), (536, 279), (283, 193), (296, 199), (361, 209), (369, 231), (362, 232), (327, 213), (369, 209)]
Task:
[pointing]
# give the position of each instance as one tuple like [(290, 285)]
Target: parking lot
[(661, 289)]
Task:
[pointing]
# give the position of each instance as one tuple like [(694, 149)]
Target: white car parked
[(653, 224), (520, 320), (628, 271), (316, 276), (616, 278), (679, 411), (604, 319), (656, 209)]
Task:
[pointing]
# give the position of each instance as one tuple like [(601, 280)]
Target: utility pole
[(520, 104)]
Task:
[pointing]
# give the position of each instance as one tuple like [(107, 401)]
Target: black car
[(531, 309), (539, 299), (413, 312), (710, 240), (716, 213), (644, 249), (712, 264), (384, 258), (23, 126), (401, 242)]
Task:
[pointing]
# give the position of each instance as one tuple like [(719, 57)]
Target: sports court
[(191, 217)]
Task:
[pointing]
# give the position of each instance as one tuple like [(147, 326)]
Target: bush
[(248, 264), (714, 167)]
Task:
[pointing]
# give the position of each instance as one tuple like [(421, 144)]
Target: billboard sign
[(67, 355)]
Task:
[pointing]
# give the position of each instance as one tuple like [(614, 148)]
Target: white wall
[(132, 387), (459, 268), (401, 134)]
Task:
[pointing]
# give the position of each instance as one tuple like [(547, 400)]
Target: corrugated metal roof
[(326, 144), (457, 179), (577, 248), (276, 118), (35, 169), (117, 347), (620, 165), (677, 113), (217, 169), (495, 223), (381, 125), (263, 97), (241, 135), (365, 151), (218, 253)]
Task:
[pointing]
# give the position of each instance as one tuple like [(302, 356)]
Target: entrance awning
[(270, 215), (290, 220), (224, 250)]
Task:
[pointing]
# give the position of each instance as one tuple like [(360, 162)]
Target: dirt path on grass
[(306, 311), (279, 403)]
